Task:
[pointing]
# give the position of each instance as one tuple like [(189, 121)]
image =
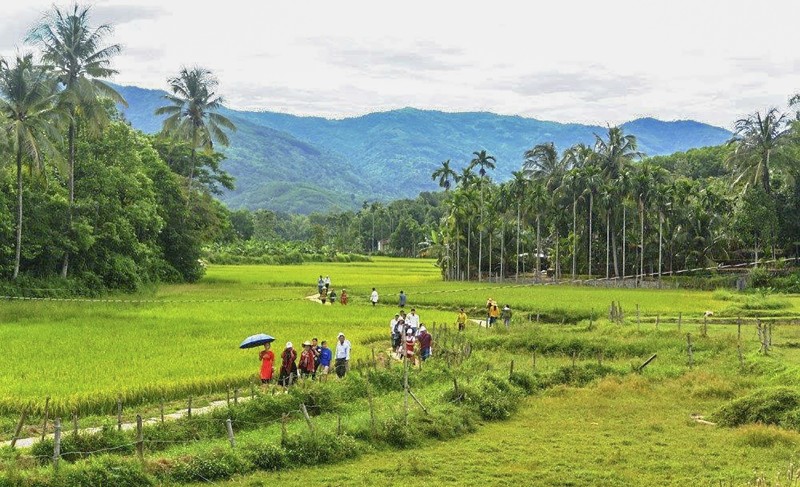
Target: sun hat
[(306, 343), (288, 344), (422, 328), (340, 335)]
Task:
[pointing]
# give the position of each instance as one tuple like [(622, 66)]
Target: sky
[(598, 62)]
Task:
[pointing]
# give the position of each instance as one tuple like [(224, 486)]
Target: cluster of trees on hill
[(599, 210), (82, 195)]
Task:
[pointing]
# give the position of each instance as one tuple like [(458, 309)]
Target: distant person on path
[(403, 297), (323, 295), (288, 366), (461, 319), (374, 297), (342, 356), (425, 340), (332, 296), (343, 298), (494, 313), (506, 315), (267, 358), (327, 282), (320, 284), (409, 345), (392, 326), (307, 367), (325, 356)]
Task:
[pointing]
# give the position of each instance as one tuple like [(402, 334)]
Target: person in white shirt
[(327, 282), (374, 297), (412, 320), (342, 355)]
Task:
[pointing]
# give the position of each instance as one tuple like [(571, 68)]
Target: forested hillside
[(304, 164)]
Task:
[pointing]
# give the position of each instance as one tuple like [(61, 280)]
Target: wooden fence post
[(339, 425), (57, 444), (511, 370), (705, 326), (689, 349), (308, 418), (680, 318), (235, 395), (119, 413), (75, 423), (20, 424), (284, 419), (139, 438), (161, 409), (739, 328), (229, 427), (533, 356), (189, 408)]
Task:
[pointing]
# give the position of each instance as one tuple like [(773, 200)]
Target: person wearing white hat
[(342, 355), (424, 339), (288, 366)]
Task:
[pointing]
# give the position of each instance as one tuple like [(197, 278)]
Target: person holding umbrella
[(267, 358), (288, 365)]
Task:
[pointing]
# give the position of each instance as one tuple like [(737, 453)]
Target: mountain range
[(304, 164)]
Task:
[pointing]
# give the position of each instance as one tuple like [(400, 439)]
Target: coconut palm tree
[(483, 160), (517, 192), (76, 54), (28, 95), (542, 163), (538, 198), (757, 139), (592, 180), (444, 174), (192, 113)]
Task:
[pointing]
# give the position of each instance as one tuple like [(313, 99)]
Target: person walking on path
[(403, 297), (506, 315), (320, 284), (332, 296), (374, 297), (392, 326), (325, 356), (425, 341), (317, 350), (461, 320), (343, 297), (288, 366), (412, 320), (494, 313), (409, 348), (267, 358), (342, 356), (327, 282), (323, 295), (307, 360)]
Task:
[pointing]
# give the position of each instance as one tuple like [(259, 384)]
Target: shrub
[(525, 381), (449, 422), (73, 447), (107, 470), (758, 436), (395, 432), (264, 456), (767, 406), (217, 464), (319, 448)]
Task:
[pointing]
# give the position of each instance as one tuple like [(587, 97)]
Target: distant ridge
[(304, 164)]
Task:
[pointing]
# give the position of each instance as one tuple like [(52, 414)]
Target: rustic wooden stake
[(284, 419), (75, 423), (46, 414), (511, 370), (308, 418), (229, 427), (647, 362), (689, 349), (739, 328), (161, 409), (235, 395), (139, 438), (705, 326), (119, 414), (533, 357), (189, 408), (418, 401), (57, 444), (20, 424), (680, 318)]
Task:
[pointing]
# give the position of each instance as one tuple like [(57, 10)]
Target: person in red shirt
[(424, 339), (288, 366), (307, 364), (343, 297), (410, 341), (267, 358)]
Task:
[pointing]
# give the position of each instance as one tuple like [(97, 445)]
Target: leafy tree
[(757, 139), (243, 226), (27, 105), (75, 53), (444, 174)]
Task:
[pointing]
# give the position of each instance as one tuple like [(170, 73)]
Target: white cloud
[(582, 61)]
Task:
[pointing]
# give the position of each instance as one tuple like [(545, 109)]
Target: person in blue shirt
[(325, 356), (403, 297)]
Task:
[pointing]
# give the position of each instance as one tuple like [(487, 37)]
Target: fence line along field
[(182, 339)]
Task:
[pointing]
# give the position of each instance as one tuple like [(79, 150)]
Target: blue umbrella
[(256, 340)]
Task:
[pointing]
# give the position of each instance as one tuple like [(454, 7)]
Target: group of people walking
[(493, 312), (315, 358), (410, 338), (327, 294)]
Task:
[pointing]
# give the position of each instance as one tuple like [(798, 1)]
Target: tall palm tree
[(537, 201), (518, 189), (592, 180), (483, 160), (76, 53), (542, 163), (444, 174), (757, 139), (192, 113), (28, 96)]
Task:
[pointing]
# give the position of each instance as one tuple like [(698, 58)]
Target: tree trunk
[(538, 251), (574, 237), (19, 212), (558, 258), (591, 208), (641, 234), (469, 246), (516, 277), (71, 168), (765, 174), (660, 225), (490, 254), (624, 243), (480, 240), (502, 249), (608, 244)]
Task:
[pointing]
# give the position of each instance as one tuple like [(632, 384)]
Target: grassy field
[(623, 429)]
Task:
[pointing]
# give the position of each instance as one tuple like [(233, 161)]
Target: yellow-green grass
[(184, 339)]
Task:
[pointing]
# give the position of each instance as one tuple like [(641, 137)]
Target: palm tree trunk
[(574, 237), (516, 277), (660, 225), (589, 260), (19, 212), (608, 244), (765, 173), (502, 249), (558, 258), (641, 234), (191, 176), (538, 251), (469, 246), (71, 169), (624, 228), (490, 254)]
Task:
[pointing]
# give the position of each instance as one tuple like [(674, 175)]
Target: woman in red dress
[(288, 366), (307, 364), (267, 358)]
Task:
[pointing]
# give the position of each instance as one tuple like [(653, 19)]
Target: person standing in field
[(323, 295), (327, 282), (425, 341), (403, 297), (489, 304), (461, 320), (325, 356), (288, 366), (412, 320), (409, 348), (374, 297), (392, 326), (506, 315), (320, 284), (332, 296), (307, 367), (317, 350), (343, 298), (494, 313), (267, 358), (342, 355)]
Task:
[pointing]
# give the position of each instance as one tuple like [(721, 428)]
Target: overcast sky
[(564, 60)]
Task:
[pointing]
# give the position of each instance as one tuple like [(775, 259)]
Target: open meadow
[(574, 409)]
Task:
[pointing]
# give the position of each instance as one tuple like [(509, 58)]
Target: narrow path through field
[(213, 405)]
